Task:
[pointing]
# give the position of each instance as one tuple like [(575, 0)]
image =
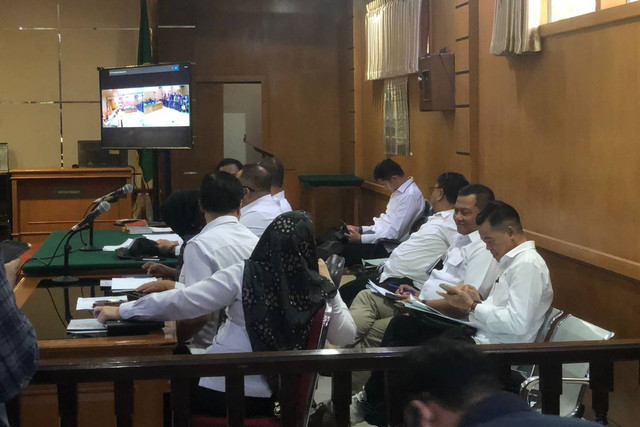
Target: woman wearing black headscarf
[(270, 300)]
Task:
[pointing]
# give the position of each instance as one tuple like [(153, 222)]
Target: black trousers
[(406, 331), (205, 401), (354, 253)]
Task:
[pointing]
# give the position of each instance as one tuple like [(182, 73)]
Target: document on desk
[(87, 303), (171, 237), (161, 229), (127, 243), (125, 284), (85, 326)]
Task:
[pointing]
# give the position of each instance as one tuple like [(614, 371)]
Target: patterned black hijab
[(281, 288)]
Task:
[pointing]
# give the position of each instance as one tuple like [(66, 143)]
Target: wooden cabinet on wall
[(437, 84), (45, 200)]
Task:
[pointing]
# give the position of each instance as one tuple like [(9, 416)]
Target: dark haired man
[(405, 205), (229, 165), (221, 243), (452, 383), (258, 207), (411, 262), (276, 168)]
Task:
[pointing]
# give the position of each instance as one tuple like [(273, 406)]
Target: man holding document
[(513, 312)]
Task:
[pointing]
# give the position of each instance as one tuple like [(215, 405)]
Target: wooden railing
[(181, 370)]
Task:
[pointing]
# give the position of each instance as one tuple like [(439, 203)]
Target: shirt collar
[(256, 203), (279, 195), (406, 185), (444, 214), (475, 236), (225, 219), (522, 247)]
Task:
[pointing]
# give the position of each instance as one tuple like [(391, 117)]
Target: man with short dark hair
[(258, 207), (451, 383), (229, 165), (405, 205), (276, 168)]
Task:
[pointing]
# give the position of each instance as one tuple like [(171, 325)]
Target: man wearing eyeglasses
[(258, 207)]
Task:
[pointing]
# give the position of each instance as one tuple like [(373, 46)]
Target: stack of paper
[(127, 244), (381, 291), (87, 303), (420, 306), (125, 284), (85, 326)]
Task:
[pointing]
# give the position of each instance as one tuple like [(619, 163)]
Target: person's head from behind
[(221, 194), (471, 200), (181, 211), (445, 193), (276, 169), (443, 380), (232, 166), (389, 174), (256, 182), (500, 228)]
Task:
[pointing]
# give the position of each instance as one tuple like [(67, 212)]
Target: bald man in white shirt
[(258, 207), (276, 169)]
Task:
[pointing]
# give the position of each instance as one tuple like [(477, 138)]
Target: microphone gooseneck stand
[(66, 278), (90, 246)]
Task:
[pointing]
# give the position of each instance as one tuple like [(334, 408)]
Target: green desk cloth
[(81, 260), (331, 180)]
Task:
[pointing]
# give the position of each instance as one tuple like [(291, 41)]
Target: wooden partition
[(45, 200)]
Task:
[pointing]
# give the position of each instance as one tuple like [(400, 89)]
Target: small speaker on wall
[(4, 157)]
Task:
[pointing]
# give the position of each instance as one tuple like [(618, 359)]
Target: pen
[(411, 291), (107, 303)]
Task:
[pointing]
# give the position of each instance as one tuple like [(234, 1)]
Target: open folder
[(414, 304)]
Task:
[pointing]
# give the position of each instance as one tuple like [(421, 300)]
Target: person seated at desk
[(451, 383), (466, 261), (276, 168), (258, 207), (232, 166), (413, 259), (18, 344), (513, 311), (270, 300), (221, 243), (405, 205)]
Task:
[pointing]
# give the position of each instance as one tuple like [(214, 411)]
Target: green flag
[(145, 157)]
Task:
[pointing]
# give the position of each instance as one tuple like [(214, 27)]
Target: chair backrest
[(424, 216), (572, 328), (550, 318), (335, 265), (317, 340)]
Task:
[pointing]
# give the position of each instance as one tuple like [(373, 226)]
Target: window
[(556, 10), (396, 117)]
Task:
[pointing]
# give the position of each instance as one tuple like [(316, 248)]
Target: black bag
[(139, 249)]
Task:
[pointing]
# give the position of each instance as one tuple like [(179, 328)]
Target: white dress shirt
[(413, 257), (404, 207), (221, 243), (282, 201), (514, 310), (257, 215), (468, 261), (224, 289)]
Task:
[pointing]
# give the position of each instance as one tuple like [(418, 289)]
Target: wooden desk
[(45, 200), (39, 403)]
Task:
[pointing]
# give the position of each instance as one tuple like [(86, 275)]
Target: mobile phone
[(344, 228), (448, 289)]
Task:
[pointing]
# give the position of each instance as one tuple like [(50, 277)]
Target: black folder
[(132, 327)]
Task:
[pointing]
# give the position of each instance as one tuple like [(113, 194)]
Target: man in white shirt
[(276, 168), (220, 244), (515, 308), (258, 207), (405, 205), (467, 261)]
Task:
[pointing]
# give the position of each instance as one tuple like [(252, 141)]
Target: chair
[(335, 265), (575, 375), (305, 387)]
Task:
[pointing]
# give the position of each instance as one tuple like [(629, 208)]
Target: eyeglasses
[(248, 188)]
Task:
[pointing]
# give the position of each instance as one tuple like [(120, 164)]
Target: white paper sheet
[(122, 284), (87, 303), (85, 326), (127, 243)]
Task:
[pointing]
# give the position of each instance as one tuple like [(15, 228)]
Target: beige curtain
[(393, 36), (515, 27)]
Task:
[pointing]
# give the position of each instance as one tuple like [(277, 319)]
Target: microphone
[(115, 195), (102, 207)]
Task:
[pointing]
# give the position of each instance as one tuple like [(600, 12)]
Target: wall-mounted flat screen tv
[(146, 107)]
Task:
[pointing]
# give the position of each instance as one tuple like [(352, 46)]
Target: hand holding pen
[(403, 291)]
